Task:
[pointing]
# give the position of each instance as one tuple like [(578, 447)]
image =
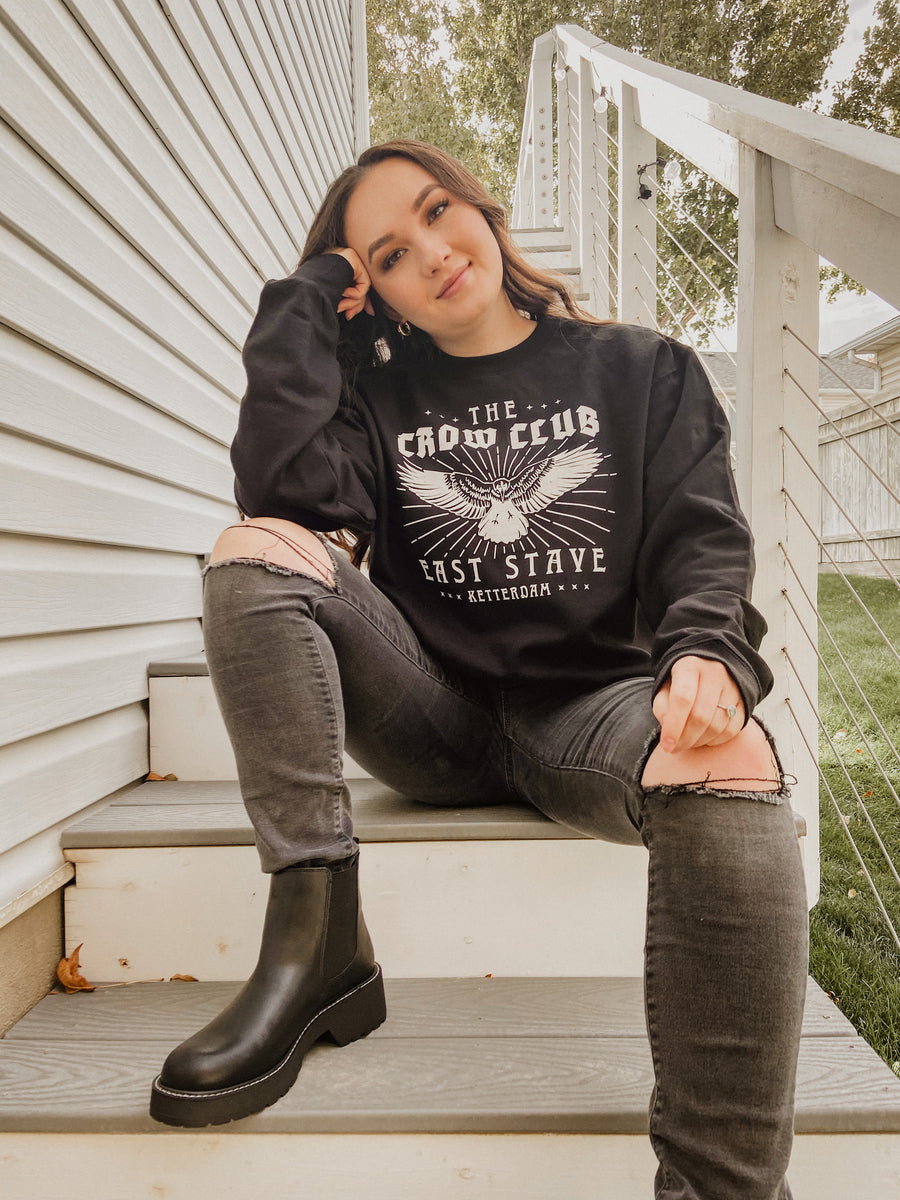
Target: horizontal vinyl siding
[(889, 363), (158, 164)]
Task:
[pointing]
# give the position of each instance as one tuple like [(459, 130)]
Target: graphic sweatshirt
[(562, 511)]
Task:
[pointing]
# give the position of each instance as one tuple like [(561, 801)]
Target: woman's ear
[(379, 307)]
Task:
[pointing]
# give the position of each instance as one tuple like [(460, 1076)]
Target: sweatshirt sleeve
[(302, 449), (695, 567)]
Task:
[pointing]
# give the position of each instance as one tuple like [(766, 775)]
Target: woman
[(557, 610)]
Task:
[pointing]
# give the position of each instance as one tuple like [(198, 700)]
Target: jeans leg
[(726, 946), (278, 689), (726, 966), (293, 661)]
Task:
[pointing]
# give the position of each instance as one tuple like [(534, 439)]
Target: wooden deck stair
[(513, 1063)]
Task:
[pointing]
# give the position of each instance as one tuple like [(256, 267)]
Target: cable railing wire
[(838, 759), (706, 325), (852, 590), (861, 803), (872, 713), (887, 487), (717, 385), (814, 756), (840, 691), (888, 423), (669, 234), (612, 191), (684, 212), (843, 513), (650, 312)]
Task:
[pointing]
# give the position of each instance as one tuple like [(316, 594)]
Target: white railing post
[(778, 279), (542, 133), (523, 198), (637, 227), (588, 188), (566, 154), (533, 207), (359, 75)]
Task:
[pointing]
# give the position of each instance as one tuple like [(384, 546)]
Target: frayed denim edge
[(274, 569), (700, 788)]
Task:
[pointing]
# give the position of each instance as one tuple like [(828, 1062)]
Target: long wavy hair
[(372, 341)]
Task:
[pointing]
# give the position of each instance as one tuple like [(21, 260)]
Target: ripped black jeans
[(302, 668)]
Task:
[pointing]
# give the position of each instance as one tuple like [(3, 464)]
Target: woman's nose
[(436, 253)]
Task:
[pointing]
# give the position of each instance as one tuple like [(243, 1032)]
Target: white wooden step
[(187, 734), (546, 237), (168, 882), (533, 1089)]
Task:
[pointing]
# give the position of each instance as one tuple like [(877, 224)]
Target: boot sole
[(350, 1017)]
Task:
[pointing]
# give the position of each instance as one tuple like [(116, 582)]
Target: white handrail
[(824, 165), (859, 161), (807, 186)]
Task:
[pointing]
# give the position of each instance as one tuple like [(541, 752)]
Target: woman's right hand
[(356, 297)]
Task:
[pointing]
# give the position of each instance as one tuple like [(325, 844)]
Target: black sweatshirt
[(562, 511)]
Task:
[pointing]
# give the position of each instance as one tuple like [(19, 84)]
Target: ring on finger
[(729, 709)]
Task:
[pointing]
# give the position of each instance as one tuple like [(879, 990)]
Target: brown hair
[(367, 340), (531, 290)]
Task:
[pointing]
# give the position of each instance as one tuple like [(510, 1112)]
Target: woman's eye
[(391, 259), (438, 209)]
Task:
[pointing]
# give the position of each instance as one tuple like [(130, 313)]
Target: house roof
[(859, 375), (887, 334)]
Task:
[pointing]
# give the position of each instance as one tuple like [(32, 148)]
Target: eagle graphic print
[(504, 509)]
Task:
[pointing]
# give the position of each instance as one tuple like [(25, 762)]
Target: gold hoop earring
[(404, 329)]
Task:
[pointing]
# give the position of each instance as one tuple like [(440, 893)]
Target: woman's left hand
[(356, 298), (692, 706)]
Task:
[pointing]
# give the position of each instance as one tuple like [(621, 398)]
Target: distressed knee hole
[(747, 765), (281, 546)]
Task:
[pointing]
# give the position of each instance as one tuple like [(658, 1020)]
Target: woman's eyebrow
[(416, 205)]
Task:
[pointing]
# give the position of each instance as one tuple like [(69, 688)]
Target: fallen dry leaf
[(154, 778), (68, 975), (186, 978)]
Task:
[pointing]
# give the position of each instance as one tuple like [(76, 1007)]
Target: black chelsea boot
[(316, 977)]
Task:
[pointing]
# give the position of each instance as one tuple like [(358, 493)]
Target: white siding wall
[(158, 163), (889, 362)]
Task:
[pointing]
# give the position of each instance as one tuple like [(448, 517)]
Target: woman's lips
[(454, 283)]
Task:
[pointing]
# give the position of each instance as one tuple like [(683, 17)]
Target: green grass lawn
[(853, 955)]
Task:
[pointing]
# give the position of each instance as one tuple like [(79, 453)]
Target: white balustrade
[(807, 186)]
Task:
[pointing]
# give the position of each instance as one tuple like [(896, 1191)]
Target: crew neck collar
[(500, 358)]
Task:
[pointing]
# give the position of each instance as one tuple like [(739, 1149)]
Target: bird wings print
[(502, 506)]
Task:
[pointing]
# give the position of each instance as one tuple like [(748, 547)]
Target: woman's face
[(431, 257)]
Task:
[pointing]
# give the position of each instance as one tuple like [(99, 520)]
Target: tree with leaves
[(776, 48), (411, 92), (871, 95)]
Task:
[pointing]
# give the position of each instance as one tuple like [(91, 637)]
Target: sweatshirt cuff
[(746, 679), (331, 272)]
